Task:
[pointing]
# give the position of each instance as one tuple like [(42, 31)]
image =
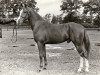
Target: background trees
[(90, 14), (47, 17), (15, 5)]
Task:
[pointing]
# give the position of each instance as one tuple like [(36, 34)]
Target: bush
[(88, 25), (71, 17), (97, 21)]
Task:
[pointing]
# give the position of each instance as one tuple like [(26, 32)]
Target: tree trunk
[(91, 17)]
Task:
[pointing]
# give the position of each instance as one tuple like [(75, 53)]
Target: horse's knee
[(86, 54), (82, 52)]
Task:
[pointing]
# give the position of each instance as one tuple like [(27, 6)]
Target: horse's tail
[(86, 44)]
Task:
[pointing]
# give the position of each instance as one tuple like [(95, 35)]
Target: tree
[(16, 5), (71, 17), (70, 8), (97, 21), (70, 5), (60, 19), (47, 17), (91, 8), (31, 3), (54, 19)]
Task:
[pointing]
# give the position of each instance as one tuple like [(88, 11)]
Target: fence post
[(0, 31)]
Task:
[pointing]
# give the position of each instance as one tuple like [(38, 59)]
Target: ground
[(21, 57)]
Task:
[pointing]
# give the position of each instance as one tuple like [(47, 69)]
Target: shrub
[(88, 25)]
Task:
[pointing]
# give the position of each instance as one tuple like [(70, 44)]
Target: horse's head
[(24, 14)]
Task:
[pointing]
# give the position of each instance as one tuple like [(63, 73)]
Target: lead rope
[(14, 36)]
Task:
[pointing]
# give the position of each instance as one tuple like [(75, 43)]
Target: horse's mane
[(35, 13)]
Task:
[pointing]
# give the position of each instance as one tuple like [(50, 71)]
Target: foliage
[(87, 19), (47, 17), (70, 5), (54, 19), (91, 7), (89, 25), (15, 5), (97, 21), (72, 17)]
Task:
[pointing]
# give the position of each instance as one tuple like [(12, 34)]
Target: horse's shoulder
[(41, 25)]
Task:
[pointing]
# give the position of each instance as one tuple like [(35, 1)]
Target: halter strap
[(14, 35)]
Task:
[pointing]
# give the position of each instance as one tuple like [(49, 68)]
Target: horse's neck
[(34, 18)]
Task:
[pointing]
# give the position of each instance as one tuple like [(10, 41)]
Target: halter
[(27, 13)]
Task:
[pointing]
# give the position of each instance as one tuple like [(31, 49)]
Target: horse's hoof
[(79, 71), (87, 71), (44, 68), (39, 70)]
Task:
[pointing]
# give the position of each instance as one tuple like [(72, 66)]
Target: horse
[(48, 33)]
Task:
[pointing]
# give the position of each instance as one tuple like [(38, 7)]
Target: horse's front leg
[(42, 55), (40, 47), (45, 59)]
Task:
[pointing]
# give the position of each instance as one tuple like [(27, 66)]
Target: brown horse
[(47, 33)]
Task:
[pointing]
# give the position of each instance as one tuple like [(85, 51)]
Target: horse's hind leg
[(83, 55), (81, 50), (81, 64), (86, 55), (42, 55), (86, 65)]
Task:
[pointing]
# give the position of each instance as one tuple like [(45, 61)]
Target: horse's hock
[(0, 32)]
